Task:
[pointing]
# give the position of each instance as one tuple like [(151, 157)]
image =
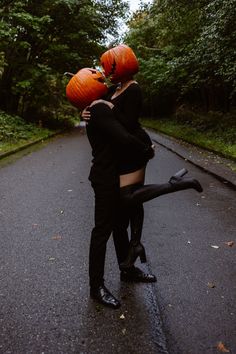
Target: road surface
[(46, 216)]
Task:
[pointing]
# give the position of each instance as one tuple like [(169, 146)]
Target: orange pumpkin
[(85, 86), (119, 63)]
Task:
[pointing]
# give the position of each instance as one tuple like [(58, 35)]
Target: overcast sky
[(134, 4)]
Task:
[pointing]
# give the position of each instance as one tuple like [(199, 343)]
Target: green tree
[(40, 40), (186, 52)]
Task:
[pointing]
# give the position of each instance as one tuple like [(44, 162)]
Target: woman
[(120, 64)]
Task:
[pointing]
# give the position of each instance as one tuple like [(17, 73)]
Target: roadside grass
[(206, 134), (15, 132), (215, 132)]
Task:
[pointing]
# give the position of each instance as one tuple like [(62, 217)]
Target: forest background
[(186, 50)]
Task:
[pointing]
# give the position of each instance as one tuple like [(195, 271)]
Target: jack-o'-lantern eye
[(119, 63)]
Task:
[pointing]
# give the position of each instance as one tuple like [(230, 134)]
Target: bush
[(14, 129), (221, 124)]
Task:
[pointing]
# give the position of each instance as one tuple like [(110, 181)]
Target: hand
[(109, 104), (86, 115)]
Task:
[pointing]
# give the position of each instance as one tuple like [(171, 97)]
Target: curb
[(207, 161), (216, 165)]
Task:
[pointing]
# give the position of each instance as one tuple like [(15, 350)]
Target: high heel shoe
[(179, 174), (180, 183), (135, 251)]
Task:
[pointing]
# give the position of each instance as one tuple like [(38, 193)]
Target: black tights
[(133, 196), (126, 216)]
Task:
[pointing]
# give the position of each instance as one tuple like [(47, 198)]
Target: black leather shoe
[(104, 297), (136, 275)]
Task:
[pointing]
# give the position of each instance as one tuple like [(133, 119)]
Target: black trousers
[(106, 209), (120, 233)]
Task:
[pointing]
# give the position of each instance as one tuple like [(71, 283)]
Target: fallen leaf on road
[(221, 347), (211, 285), (230, 243), (98, 308), (56, 237), (214, 246)]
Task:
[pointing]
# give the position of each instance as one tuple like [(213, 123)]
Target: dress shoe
[(136, 275), (104, 297)]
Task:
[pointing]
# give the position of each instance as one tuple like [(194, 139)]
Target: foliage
[(187, 51), (14, 129), (212, 131), (40, 40)]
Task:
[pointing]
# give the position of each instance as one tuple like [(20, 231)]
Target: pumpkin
[(85, 86), (119, 63)]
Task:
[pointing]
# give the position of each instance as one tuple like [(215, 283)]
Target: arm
[(104, 121), (86, 115)]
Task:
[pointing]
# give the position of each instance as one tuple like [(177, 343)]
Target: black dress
[(127, 109)]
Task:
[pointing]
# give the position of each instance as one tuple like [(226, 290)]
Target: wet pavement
[(221, 168), (46, 216)]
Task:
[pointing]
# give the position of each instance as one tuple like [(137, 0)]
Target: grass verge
[(219, 140), (15, 132)]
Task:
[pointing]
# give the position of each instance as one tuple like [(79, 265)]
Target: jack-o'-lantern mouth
[(100, 79), (113, 68)]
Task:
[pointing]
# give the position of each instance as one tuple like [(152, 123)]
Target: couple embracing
[(121, 150)]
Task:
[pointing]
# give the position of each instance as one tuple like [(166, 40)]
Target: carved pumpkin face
[(85, 86), (119, 63)]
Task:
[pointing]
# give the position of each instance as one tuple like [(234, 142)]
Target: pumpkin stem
[(68, 74)]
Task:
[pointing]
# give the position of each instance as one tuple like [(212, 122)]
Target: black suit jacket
[(109, 139)]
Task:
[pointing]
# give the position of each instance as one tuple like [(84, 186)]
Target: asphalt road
[(46, 216)]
